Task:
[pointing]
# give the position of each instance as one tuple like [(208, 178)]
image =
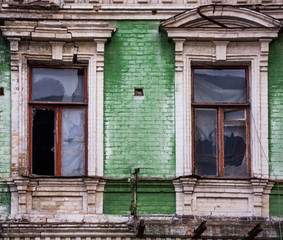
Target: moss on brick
[(139, 131)]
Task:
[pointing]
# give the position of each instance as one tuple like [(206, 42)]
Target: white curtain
[(73, 142)]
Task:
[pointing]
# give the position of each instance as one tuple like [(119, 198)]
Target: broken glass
[(73, 142), (219, 85), (57, 85), (235, 157), (205, 131), (43, 141)]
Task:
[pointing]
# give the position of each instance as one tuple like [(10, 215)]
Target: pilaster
[(181, 166)]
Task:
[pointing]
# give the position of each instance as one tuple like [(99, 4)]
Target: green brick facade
[(275, 96), (275, 80), (139, 130), (5, 126), (152, 197)]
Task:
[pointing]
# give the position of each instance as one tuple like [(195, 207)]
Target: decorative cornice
[(65, 31), (221, 23)]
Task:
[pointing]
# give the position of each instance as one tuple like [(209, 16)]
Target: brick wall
[(152, 197), (139, 131), (275, 96), (5, 132), (275, 88), (276, 201)]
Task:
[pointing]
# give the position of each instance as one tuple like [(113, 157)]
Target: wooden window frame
[(220, 107), (58, 107)]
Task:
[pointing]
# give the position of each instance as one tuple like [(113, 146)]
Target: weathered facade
[(141, 119)]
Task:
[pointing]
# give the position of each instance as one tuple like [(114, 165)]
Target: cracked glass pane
[(235, 157), (205, 131)]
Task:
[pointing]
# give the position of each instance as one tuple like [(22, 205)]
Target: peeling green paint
[(5, 126), (153, 197), (139, 131), (275, 97)]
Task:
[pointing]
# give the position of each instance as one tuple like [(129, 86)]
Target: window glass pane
[(205, 149), (57, 85), (233, 114), (235, 159), (43, 141), (219, 86), (73, 142)]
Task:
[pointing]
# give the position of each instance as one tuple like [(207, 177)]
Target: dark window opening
[(43, 142), (1, 91), (139, 92)]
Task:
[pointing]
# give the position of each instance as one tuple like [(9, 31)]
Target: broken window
[(220, 108), (58, 107)]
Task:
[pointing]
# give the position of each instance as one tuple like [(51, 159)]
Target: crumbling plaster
[(234, 43), (56, 42)]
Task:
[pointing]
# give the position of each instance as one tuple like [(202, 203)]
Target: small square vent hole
[(138, 92)]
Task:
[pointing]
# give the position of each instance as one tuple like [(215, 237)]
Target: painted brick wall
[(275, 96), (152, 198), (5, 126), (275, 89), (276, 201), (139, 131)]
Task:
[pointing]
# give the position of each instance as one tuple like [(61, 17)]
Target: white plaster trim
[(58, 52), (221, 50)]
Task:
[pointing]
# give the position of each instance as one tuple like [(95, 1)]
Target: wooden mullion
[(30, 84), (58, 146), (85, 85), (193, 139), (220, 143), (248, 149), (247, 85), (30, 138), (75, 104), (226, 105), (85, 143), (234, 120)]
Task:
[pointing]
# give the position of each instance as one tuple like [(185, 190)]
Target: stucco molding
[(222, 197), (232, 17), (56, 43), (243, 40), (33, 196)]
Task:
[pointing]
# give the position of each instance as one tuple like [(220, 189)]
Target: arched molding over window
[(233, 17), (227, 37)]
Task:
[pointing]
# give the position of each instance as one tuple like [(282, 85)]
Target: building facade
[(141, 119)]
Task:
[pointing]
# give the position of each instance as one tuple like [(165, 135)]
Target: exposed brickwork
[(275, 88), (5, 125), (139, 131), (276, 201), (118, 197)]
